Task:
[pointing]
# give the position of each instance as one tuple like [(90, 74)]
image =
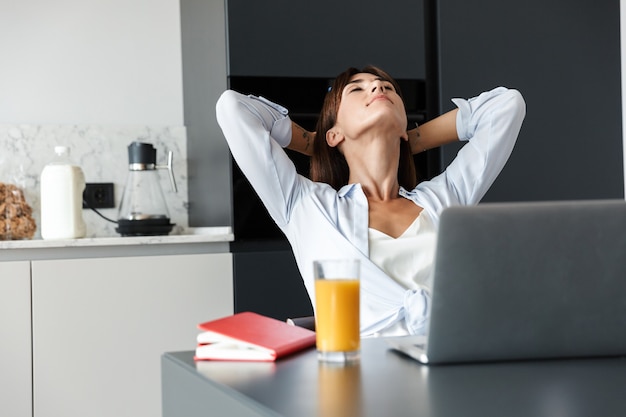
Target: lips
[(379, 97)]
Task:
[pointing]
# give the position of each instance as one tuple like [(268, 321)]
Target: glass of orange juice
[(337, 297)]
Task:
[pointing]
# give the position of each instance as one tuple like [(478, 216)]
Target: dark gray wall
[(321, 38), (271, 38), (564, 56), (203, 35)]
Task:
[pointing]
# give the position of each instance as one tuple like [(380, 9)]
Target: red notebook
[(250, 336)]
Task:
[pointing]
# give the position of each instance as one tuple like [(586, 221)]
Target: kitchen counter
[(201, 240)]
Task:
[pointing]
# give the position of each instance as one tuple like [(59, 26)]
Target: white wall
[(90, 62)]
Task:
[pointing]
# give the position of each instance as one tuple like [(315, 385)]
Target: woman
[(363, 201)]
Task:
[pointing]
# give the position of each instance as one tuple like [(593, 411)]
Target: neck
[(374, 165)]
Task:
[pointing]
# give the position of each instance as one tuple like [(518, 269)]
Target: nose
[(378, 85)]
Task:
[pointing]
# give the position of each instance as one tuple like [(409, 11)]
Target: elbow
[(226, 105), (517, 103)]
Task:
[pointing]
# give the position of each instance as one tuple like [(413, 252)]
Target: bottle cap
[(61, 150)]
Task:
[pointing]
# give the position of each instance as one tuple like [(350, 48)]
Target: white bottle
[(62, 186)]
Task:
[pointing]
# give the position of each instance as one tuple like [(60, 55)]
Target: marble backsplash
[(102, 153)]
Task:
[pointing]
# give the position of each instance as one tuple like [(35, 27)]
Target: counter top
[(196, 240), (206, 234)]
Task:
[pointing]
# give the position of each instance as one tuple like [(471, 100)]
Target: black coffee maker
[(143, 211)]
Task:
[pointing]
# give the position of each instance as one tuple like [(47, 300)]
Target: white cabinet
[(15, 340), (100, 327)]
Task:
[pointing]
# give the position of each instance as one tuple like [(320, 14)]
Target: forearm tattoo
[(417, 143), (306, 136)]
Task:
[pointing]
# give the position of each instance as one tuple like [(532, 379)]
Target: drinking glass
[(337, 309)]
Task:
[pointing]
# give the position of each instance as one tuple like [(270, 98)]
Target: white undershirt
[(407, 259)]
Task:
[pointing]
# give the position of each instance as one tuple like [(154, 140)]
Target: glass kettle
[(143, 211)]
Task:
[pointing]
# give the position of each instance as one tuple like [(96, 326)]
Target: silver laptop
[(517, 281)]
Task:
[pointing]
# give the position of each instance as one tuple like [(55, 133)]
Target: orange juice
[(337, 315)]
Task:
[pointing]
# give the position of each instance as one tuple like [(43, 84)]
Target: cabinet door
[(100, 327), (565, 59), (15, 341), (324, 37)]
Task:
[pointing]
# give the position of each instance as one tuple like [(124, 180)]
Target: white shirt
[(322, 223)]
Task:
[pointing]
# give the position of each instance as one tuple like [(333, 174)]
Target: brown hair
[(327, 163)]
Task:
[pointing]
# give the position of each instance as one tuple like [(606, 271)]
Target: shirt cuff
[(281, 132), (462, 118), (274, 117)]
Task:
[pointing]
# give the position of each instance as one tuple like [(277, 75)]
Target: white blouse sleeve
[(490, 123), (256, 131)]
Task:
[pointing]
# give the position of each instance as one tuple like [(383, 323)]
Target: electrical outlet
[(98, 195)]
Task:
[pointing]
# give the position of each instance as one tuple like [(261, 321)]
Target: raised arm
[(256, 131), (489, 125), (434, 133)]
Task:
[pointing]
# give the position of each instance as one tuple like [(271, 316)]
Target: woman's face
[(369, 103)]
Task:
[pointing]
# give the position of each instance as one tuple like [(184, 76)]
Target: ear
[(334, 137), (405, 136)]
